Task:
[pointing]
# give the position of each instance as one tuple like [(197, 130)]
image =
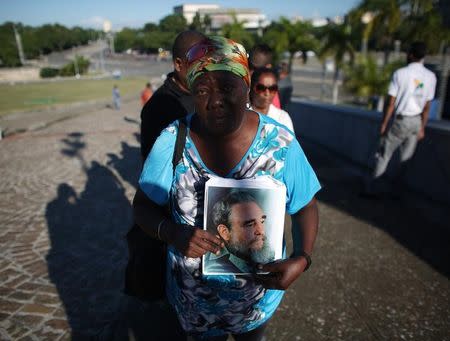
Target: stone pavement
[(380, 268)]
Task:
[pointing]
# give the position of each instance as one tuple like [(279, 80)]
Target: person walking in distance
[(146, 94), (410, 93), (116, 97)]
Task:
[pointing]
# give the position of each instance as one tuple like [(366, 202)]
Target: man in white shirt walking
[(410, 93)]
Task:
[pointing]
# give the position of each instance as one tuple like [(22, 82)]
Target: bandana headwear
[(217, 54)]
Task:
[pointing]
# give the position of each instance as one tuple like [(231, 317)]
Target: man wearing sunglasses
[(263, 89)]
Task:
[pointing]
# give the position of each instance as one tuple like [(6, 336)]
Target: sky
[(135, 13)]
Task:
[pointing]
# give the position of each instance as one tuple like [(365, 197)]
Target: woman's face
[(220, 99), (264, 91)]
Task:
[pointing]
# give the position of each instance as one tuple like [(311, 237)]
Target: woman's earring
[(247, 105)]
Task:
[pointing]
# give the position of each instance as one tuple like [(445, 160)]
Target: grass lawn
[(23, 97)]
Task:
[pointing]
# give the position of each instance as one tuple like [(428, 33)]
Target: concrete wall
[(353, 134)]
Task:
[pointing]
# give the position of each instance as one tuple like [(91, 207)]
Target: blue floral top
[(214, 305)]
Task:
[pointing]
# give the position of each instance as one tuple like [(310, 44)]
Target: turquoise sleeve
[(157, 175), (299, 177)]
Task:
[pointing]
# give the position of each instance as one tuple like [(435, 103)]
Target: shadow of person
[(87, 257), (132, 120), (128, 164), (88, 252)]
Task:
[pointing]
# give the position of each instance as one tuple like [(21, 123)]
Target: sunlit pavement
[(380, 268)]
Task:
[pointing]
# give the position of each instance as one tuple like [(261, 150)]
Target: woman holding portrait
[(224, 139)]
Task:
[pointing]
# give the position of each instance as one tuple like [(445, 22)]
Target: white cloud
[(94, 22)]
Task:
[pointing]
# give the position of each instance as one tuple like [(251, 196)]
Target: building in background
[(253, 18), (190, 10)]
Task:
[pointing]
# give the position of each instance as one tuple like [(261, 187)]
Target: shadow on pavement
[(426, 236), (88, 252)]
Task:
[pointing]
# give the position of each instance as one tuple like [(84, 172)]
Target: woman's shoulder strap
[(179, 143)]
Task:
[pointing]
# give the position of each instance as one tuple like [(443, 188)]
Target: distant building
[(253, 18), (189, 10), (318, 21)]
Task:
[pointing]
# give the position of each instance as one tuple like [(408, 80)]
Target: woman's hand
[(282, 273), (193, 242)]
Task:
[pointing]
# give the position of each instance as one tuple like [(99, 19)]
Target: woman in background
[(263, 89)]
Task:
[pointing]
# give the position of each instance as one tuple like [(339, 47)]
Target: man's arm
[(387, 114), (424, 114), (283, 273)]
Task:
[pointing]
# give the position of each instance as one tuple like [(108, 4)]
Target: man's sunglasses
[(262, 88), (198, 51)]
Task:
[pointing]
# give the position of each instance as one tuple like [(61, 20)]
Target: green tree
[(404, 20), (125, 39), (197, 23), (292, 37), (275, 38), (208, 23), (236, 31), (173, 23), (40, 40), (366, 80), (79, 65), (387, 18), (151, 27), (9, 55), (337, 43), (424, 23)]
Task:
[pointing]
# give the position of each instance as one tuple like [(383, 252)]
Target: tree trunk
[(322, 83), (291, 60), (335, 84), (380, 104), (386, 56)]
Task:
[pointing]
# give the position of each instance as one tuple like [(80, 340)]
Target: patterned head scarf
[(217, 54)]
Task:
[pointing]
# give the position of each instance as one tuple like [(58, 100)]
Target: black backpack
[(145, 274)]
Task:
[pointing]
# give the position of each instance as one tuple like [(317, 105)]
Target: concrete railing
[(353, 134)]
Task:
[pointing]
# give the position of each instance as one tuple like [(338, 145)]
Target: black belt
[(401, 117)]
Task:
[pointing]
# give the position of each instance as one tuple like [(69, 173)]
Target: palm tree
[(207, 22), (238, 33), (337, 42), (367, 80), (387, 18), (292, 37), (425, 24)]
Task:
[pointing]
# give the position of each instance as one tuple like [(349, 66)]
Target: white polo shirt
[(412, 86)]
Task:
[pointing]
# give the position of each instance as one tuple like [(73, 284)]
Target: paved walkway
[(380, 269)]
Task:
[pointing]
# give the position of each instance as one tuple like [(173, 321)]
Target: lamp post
[(77, 70), (367, 20), (19, 46)]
